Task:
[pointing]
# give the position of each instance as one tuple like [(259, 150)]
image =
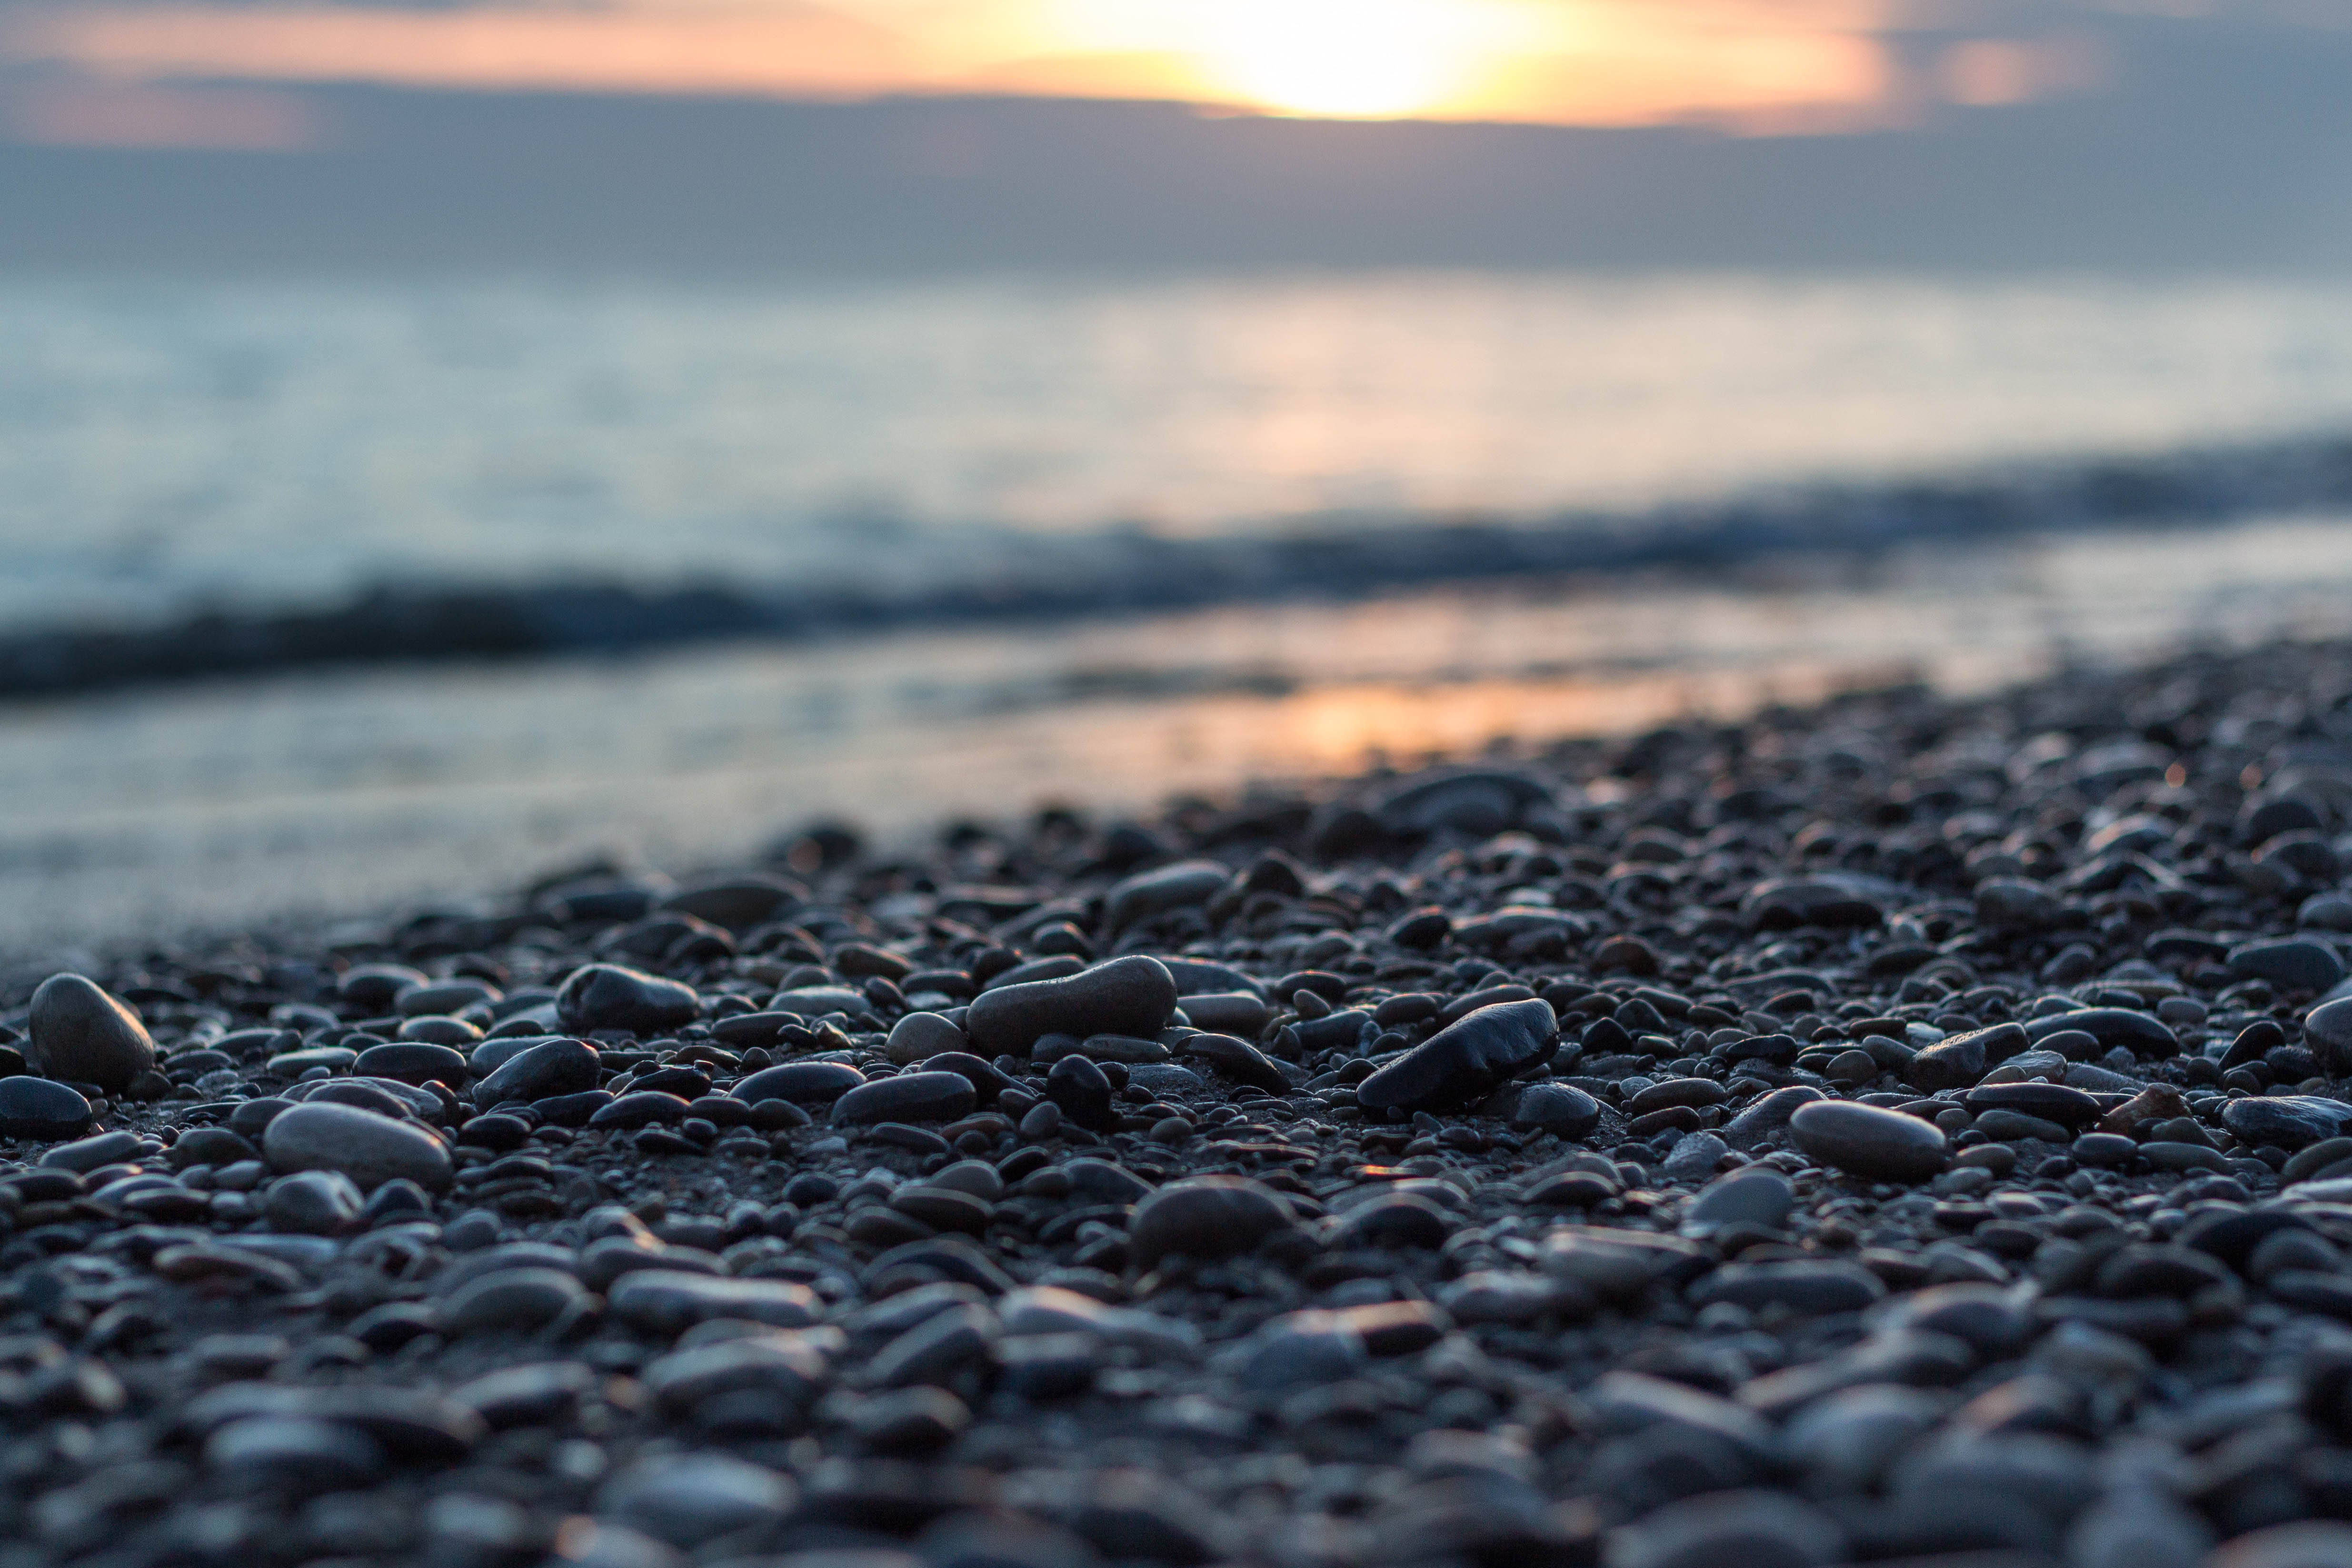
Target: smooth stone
[(1694, 1157), (689, 1499), (1851, 1436), (1238, 1060), (2047, 1101), (907, 1097), (1957, 1061), (79, 1034), (1394, 1220), (1131, 996), (295, 1453), (1301, 1350), (2016, 903), (36, 1107), (1155, 892), (1562, 1109), (1800, 1285), (2293, 963), (517, 1301), (1467, 1060), (2143, 1034), (312, 1203), (89, 1153), (919, 1036), (1767, 1115), (1078, 1088), (1749, 1528), (1866, 1141), (1478, 801), (669, 1300), (529, 1395), (1166, 1078), (1780, 903), (816, 1001), (368, 1148), (801, 1083), (1743, 1197), (413, 1062), (2289, 1120), (609, 997), (1243, 1013), (1206, 1217), (547, 1071), (2329, 1029)]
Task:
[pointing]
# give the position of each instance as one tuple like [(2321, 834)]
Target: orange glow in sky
[(1560, 61)]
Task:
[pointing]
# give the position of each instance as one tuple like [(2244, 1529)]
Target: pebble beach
[(1908, 1128)]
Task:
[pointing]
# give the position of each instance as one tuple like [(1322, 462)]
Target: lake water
[(164, 445), (167, 443)]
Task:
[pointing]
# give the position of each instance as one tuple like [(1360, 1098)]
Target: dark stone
[(1238, 1060), (1560, 1108), (36, 1107), (1467, 1060), (1206, 1216), (608, 996), (907, 1097), (413, 1062), (1869, 1142), (79, 1034), (2293, 963), (2137, 1032), (802, 1083), (1078, 1088), (545, 1071), (1132, 995), (2290, 1120)]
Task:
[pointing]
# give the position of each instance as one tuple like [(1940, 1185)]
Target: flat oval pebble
[(1866, 1141), (907, 1097), (369, 1148), (36, 1108), (1131, 996), (1206, 1216), (611, 997), (666, 1301)]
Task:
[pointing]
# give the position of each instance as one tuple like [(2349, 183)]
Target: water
[(170, 443), (164, 445)]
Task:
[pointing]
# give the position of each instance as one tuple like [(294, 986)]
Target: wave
[(1128, 571)]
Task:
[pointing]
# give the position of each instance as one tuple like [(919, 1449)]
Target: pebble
[(918, 1035), (1206, 1216), (1132, 996), (544, 1071), (2036, 1254), (369, 1148), (36, 1108), (1466, 1060), (907, 1097), (610, 996), (79, 1034), (1865, 1140)]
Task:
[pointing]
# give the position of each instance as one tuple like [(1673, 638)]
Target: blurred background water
[(167, 445)]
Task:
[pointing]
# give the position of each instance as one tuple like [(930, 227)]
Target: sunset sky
[(1762, 64)]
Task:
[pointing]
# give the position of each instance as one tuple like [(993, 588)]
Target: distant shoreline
[(1071, 577)]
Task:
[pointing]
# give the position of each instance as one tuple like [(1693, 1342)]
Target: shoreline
[(1006, 579), (1900, 1127)]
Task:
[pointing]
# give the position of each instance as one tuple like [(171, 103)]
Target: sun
[(1342, 59)]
